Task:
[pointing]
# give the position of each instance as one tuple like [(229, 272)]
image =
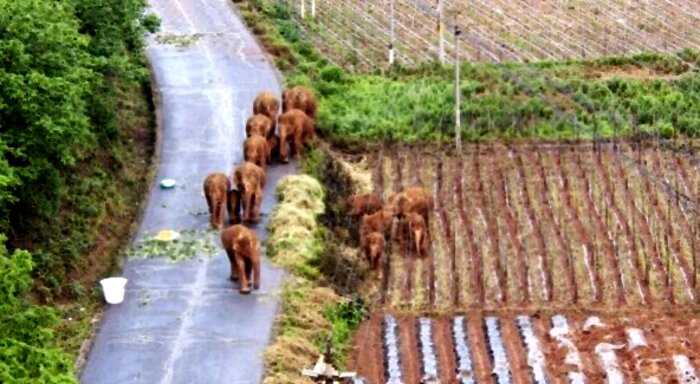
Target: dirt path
[(183, 322)]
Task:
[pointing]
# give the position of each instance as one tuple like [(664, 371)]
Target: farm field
[(519, 348), (528, 242), (546, 226), (358, 32)]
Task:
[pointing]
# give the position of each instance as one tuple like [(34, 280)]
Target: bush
[(27, 354)]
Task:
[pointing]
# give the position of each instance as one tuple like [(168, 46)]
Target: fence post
[(441, 32), (392, 36), (313, 9), (458, 93), (303, 8)]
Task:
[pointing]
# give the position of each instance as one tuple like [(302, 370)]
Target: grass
[(644, 94)]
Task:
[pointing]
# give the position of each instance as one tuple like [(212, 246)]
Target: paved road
[(184, 323)]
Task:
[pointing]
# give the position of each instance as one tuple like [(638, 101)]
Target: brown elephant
[(243, 252), (266, 103), (364, 204), (295, 130), (418, 232), (249, 179), (260, 125), (412, 199), (216, 187), (273, 148), (299, 97), (373, 247), (234, 205), (255, 150), (379, 221)]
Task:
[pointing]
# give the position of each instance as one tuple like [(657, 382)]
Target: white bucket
[(113, 289)]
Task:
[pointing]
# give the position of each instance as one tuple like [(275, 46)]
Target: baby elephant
[(249, 179), (259, 125), (241, 246), (255, 150), (216, 189), (373, 247)]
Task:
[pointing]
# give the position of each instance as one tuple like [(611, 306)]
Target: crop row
[(554, 225), (477, 348), (499, 30)]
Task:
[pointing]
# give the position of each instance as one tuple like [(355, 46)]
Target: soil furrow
[(533, 220), (368, 355), (492, 230), (515, 349), (440, 197), (676, 236), (594, 279), (640, 220), (408, 344), (602, 232), (621, 219), (445, 349), (667, 243), (477, 288), (554, 360), (553, 225), (478, 348), (512, 229)]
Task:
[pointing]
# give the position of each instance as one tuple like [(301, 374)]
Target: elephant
[(363, 204), (379, 221), (266, 103), (418, 232), (260, 125), (243, 252), (216, 188), (412, 199), (234, 205), (255, 150), (373, 248), (249, 179), (273, 148), (295, 129), (299, 97)]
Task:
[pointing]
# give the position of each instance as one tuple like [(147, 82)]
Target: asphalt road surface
[(184, 322)]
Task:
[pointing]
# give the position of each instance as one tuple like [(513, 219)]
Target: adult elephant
[(216, 187), (266, 103), (243, 252), (299, 97), (295, 129)]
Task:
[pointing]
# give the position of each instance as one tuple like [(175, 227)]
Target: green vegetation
[(646, 94), (27, 351), (189, 244), (76, 137)]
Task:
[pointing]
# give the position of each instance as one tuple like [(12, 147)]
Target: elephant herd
[(269, 136), (411, 207)]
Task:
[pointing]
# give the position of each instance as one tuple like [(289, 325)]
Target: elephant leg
[(256, 272), (234, 267), (220, 208), (284, 156), (240, 263)]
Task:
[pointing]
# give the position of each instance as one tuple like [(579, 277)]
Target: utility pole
[(458, 93), (392, 35), (441, 32)]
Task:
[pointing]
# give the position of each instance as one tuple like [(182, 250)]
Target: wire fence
[(368, 35)]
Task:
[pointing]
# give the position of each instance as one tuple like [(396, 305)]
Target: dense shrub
[(26, 339), (62, 64)]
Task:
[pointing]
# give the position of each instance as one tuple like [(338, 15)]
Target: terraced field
[(547, 226), (359, 32), (528, 242)]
